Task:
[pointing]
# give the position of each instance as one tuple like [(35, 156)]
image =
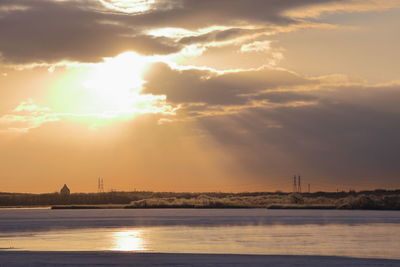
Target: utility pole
[(309, 188), (299, 185), (294, 184)]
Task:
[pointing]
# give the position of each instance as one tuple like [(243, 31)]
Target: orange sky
[(190, 95)]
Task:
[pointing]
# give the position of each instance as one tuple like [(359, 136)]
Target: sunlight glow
[(129, 241), (108, 90), (115, 85), (129, 6)]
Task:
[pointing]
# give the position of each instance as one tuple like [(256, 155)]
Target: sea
[(350, 233)]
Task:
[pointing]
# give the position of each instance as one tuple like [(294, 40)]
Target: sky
[(189, 95)]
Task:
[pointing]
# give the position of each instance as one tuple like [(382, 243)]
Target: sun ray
[(108, 90)]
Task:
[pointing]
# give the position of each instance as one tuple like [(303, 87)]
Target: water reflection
[(358, 240), (129, 240)]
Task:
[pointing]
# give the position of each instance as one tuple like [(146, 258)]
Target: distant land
[(379, 199)]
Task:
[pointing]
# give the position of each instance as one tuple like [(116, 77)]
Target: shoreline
[(40, 258), (271, 207)]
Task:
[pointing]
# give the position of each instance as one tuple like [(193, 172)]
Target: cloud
[(52, 31), (342, 6), (35, 31), (193, 14), (349, 136), (220, 36), (275, 123), (256, 46), (27, 115), (137, 6), (212, 88)]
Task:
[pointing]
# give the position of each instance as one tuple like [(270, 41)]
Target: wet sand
[(26, 258)]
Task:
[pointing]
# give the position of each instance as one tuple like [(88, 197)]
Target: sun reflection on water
[(129, 240)]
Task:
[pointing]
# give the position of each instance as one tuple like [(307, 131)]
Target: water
[(366, 234)]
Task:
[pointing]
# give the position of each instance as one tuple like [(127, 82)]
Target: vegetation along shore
[(375, 200)]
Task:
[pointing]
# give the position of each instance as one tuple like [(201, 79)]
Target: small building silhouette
[(65, 190)]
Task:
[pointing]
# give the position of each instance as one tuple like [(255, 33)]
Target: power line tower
[(100, 185), (309, 188), (295, 184), (299, 185)]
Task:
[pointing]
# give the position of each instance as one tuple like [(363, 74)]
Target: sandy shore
[(16, 258)]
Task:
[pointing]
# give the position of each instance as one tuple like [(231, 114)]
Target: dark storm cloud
[(350, 136), (50, 31), (202, 86)]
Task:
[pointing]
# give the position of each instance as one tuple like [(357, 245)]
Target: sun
[(109, 90), (115, 85)]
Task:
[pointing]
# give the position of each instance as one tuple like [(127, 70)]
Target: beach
[(22, 258)]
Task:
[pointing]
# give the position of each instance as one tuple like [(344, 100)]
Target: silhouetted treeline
[(57, 199), (376, 199)]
